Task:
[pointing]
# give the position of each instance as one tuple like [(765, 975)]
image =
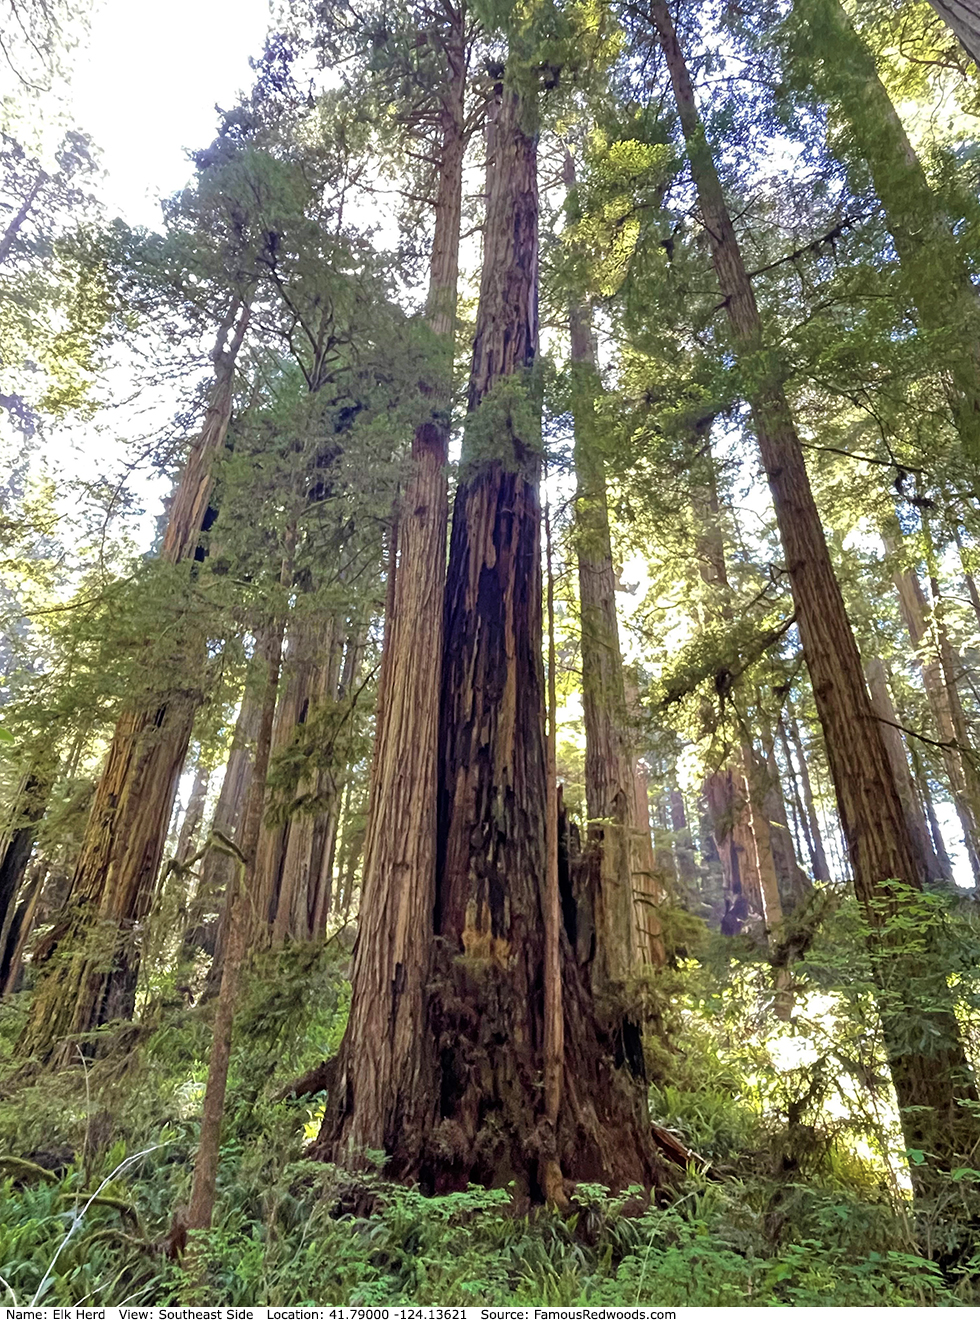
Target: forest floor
[(800, 1200)]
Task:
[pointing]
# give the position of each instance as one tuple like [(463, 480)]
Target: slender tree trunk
[(742, 836), (205, 926), (734, 795), (794, 884), (349, 851), (772, 906), (745, 787), (794, 803), (193, 817), (17, 841), (93, 978), (686, 865), (17, 932), (550, 1176), (933, 269), (953, 668), (616, 853), (310, 837), (881, 700), (971, 583), (652, 870), (653, 874), (238, 929), (915, 612), (821, 871), (286, 866), (961, 17), (23, 211), (799, 815), (385, 1066), (321, 897), (925, 796), (731, 829), (929, 1083)]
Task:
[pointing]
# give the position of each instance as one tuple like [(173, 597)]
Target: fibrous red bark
[(385, 1071), (962, 18), (930, 1083), (16, 845), (97, 936), (944, 701), (238, 928), (486, 1011)]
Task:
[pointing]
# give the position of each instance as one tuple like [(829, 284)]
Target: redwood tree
[(933, 1082), (17, 840), (93, 977), (934, 268), (962, 18), (384, 1070), (621, 867), (488, 1120)]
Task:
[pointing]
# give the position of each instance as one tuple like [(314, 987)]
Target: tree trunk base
[(485, 1123)]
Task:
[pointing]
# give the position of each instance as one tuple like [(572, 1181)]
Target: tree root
[(105, 1200), (313, 1081), (675, 1151), (20, 1167)]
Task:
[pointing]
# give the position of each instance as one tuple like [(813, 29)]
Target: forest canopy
[(490, 665)]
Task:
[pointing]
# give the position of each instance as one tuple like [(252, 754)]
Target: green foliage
[(55, 305), (505, 429), (799, 1192), (794, 1205)]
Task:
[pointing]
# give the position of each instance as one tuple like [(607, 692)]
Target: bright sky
[(147, 88), (144, 87)]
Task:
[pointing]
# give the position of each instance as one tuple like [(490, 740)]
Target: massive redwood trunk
[(386, 1065), (90, 974), (914, 1002), (489, 1120)]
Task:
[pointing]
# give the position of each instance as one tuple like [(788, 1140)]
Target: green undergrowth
[(796, 1197), (709, 1247), (319, 1235)]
